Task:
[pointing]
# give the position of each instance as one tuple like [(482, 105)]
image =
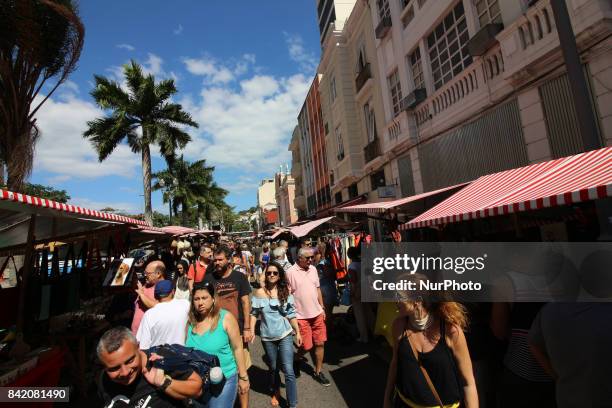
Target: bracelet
[(245, 378), (247, 328)]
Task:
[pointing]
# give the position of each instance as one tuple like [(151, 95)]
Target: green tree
[(190, 186), (141, 115), (50, 193), (40, 42)]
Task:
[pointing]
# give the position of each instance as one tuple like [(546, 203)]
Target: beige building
[(478, 86), (297, 173), (285, 197), (266, 199)]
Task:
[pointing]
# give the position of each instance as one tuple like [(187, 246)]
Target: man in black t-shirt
[(233, 290), (129, 381)]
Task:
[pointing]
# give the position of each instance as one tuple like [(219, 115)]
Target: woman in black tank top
[(434, 331)]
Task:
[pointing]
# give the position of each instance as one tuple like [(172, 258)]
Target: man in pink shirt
[(154, 272), (304, 281)]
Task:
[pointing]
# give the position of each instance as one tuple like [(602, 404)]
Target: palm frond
[(109, 95)]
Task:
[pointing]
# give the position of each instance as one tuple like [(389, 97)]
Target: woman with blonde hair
[(431, 364), (215, 331)]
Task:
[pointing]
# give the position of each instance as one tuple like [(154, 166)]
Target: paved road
[(356, 373)]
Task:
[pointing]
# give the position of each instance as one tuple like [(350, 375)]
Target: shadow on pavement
[(356, 384)]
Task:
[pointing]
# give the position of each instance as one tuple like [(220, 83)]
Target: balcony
[(383, 27), (530, 45), (372, 150), (362, 77), (484, 39)]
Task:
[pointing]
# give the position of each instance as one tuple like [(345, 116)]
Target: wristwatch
[(166, 383)]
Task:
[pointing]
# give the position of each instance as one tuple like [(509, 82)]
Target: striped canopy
[(384, 206), (582, 177)]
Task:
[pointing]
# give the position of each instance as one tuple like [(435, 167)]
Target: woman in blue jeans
[(215, 331), (276, 308)]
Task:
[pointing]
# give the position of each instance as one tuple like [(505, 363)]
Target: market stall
[(56, 279)]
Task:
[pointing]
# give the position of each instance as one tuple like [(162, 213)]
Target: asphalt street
[(356, 373)]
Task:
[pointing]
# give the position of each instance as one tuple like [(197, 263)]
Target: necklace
[(421, 324)]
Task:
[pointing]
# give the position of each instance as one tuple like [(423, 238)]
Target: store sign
[(386, 192)]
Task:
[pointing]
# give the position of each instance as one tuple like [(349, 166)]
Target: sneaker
[(322, 379)]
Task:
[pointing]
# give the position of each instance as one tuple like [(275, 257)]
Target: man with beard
[(233, 290), (128, 380), (154, 272)]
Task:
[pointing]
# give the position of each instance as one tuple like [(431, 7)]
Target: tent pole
[(27, 270)]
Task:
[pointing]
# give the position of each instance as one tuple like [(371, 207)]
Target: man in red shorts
[(304, 281)]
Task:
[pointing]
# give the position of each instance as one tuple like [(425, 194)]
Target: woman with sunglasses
[(215, 331), (276, 308), (431, 364)]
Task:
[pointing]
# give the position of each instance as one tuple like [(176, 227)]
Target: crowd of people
[(211, 305)]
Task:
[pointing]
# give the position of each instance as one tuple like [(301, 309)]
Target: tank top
[(441, 367), (216, 343)]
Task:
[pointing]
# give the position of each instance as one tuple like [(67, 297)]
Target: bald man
[(154, 272)]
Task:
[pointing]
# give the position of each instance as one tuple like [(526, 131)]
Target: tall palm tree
[(189, 185), (213, 200), (40, 44), (141, 115)]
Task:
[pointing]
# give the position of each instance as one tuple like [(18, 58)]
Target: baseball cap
[(163, 288)]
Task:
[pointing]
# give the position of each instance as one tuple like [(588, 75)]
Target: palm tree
[(141, 115), (40, 42), (189, 185)]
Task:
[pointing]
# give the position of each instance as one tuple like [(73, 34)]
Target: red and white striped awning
[(582, 177), (178, 230), (68, 209), (384, 206)]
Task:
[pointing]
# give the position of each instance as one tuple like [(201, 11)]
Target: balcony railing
[(362, 77), (383, 27), (372, 150)]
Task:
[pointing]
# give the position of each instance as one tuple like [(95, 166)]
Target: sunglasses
[(308, 257), (205, 286), (402, 297), (272, 273)]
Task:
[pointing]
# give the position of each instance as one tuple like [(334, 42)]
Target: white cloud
[(244, 126), (307, 60), (244, 185), (72, 86), (178, 30), (210, 70), (153, 65), (62, 152), (126, 47), (123, 207)]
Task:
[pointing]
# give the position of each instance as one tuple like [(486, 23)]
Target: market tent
[(54, 221), (395, 205), (279, 232), (178, 230), (305, 229), (582, 177)]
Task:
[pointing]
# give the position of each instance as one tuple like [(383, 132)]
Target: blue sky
[(242, 70)]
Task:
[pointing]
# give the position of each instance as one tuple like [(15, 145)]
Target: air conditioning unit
[(484, 39), (413, 99)]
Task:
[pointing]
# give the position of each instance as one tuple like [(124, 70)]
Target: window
[(378, 180), (338, 197), (361, 58), (416, 67), (370, 121), (407, 19), (488, 12), (353, 192), (395, 90), (383, 9), (447, 45), (340, 144), (332, 89)]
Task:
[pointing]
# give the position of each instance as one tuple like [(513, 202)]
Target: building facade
[(296, 172), (285, 198), (266, 202), (332, 12), (476, 87)]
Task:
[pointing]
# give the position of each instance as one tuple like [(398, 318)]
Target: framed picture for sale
[(119, 272)]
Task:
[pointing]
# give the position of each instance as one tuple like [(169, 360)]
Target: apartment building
[(477, 86), (266, 202), (285, 197), (332, 12), (312, 152), (299, 201)]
